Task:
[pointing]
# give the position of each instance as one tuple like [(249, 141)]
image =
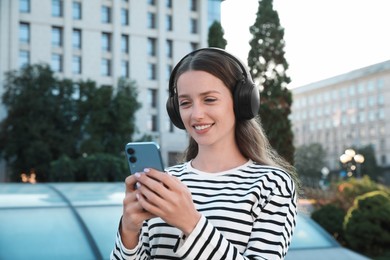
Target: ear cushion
[(246, 100), (173, 112)]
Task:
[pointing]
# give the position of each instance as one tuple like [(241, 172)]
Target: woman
[(233, 197)]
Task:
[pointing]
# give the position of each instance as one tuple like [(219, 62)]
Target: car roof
[(71, 220)]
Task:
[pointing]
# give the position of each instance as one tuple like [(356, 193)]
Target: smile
[(201, 127)]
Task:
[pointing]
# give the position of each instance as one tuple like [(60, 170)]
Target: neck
[(218, 159)]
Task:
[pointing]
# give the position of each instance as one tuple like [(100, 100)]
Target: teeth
[(201, 127)]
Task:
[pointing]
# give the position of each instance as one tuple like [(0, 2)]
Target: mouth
[(202, 127)]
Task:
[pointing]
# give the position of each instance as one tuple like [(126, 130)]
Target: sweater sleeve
[(274, 222), (141, 251)]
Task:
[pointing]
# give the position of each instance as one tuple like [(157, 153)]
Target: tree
[(309, 160), (39, 125), (268, 67), (370, 166), (49, 119), (215, 37), (111, 120)]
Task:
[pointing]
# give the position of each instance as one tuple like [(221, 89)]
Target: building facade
[(345, 111), (104, 40)]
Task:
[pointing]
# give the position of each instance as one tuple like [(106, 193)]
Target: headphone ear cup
[(246, 100), (173, 112)]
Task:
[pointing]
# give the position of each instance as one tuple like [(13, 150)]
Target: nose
[(197, 111)]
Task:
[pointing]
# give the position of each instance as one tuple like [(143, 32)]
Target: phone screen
[(141, 155)]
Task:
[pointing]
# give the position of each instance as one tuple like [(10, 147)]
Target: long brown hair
[(250, 137)]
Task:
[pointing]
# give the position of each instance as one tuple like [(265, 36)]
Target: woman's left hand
[(166, 197)]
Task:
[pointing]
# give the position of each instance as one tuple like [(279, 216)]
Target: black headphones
[(246, 97)]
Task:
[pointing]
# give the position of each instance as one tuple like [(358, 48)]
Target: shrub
[(102, 167), (348, 190), (331, 218), (367, 223), (62, 170)]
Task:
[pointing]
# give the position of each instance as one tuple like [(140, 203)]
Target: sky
[(324, 38)]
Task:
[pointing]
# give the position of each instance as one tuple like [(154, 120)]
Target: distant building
[(104, 40), (349, 110)]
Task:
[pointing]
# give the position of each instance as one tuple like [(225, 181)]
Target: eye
[(184, 103), (210, 99)]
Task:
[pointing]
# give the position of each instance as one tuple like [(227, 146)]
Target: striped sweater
[(247, 213)]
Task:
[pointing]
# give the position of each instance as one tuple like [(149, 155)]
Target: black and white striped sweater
[(247, 213)]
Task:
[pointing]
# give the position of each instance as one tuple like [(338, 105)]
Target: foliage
[(268, 67), (96, 167), (370, 166), (215, 37), (55, 120), (351, 188), (309, 160), (331, 218), (367, 223)]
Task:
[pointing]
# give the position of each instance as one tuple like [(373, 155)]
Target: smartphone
[(141, 155)]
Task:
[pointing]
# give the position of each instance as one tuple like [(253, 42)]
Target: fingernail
[(137, 174), (137, 196), (146, 170), (138, 185)]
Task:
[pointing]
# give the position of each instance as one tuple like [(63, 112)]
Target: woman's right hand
[(133, 215)]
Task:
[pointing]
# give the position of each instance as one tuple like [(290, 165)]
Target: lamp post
[(352, 162)]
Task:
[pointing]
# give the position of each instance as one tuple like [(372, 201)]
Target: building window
[(106, 67), (152, 123), (106, 14), (24, 6), (152, 98), (152, 71), (151, 20), (24, 33), (169, 48), (168, 72), (125, 68), (125, 43), (76, 39), (56, 62), (194, 46), (169, 23), (152, 47), (56, 8), (194, 25), (169, 3), (76, 65), (124, 16), (56, 36), (193, 5), (76, 10), (24, 58), (106, 42), (152, 2)]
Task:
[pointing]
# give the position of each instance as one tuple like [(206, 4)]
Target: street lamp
[(352, 161)]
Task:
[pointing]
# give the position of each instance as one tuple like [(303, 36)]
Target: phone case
[(141, 155)]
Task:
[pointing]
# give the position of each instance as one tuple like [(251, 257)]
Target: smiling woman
[(233, 197)]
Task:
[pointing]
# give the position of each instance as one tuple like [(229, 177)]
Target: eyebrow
[(201, 94)]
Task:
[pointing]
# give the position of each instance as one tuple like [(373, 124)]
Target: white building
[(349, 110), (107, 39)]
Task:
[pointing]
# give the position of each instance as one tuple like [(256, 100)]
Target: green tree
[(111, 120), (215, 37), (51, 122), (309, 160), (39, 126), (369, 167), (268, 67)]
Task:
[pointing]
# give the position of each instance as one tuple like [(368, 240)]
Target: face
[(206, 109)]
